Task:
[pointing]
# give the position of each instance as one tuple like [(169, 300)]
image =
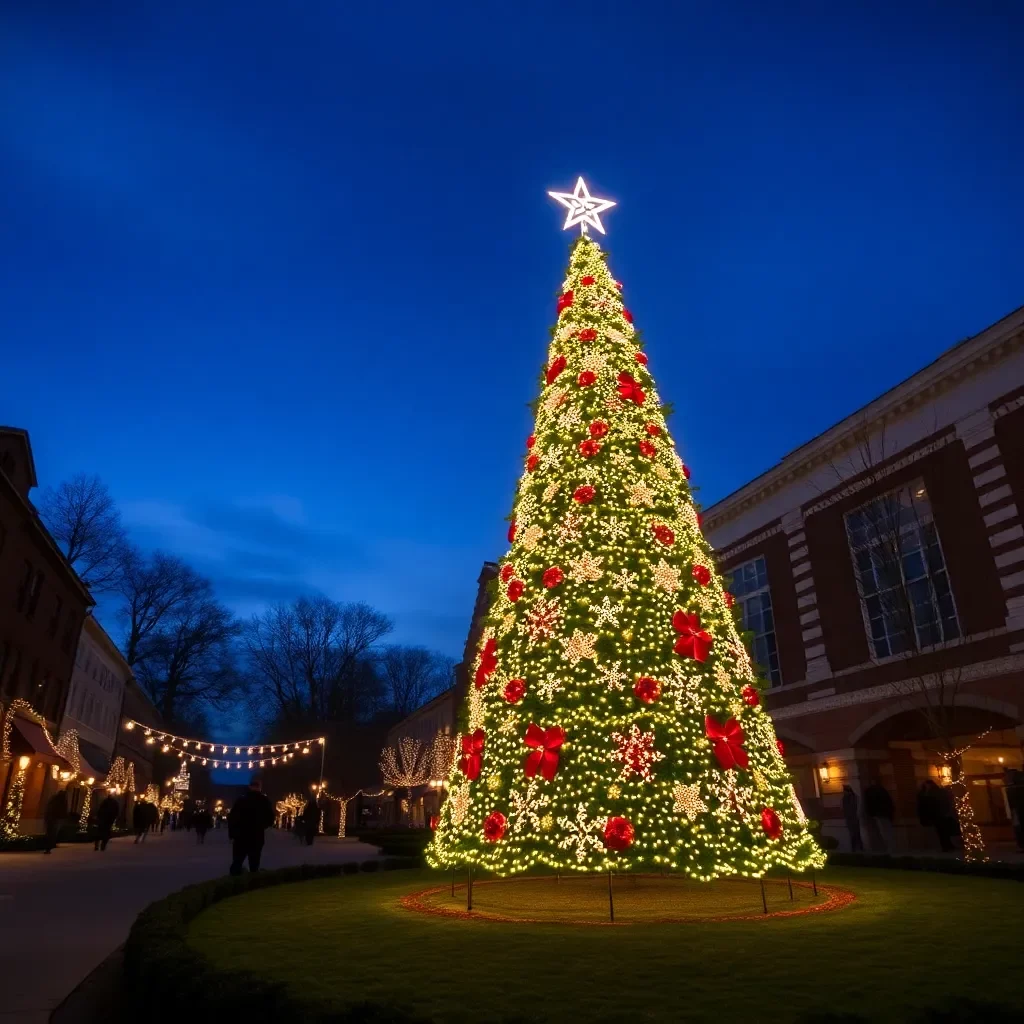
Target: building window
[(58, 607), (750, 588), (901, 573), (35, 588)]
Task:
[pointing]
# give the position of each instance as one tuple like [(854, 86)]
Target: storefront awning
[(28, 738)]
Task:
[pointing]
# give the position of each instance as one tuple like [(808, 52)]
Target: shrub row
[(942, 865), (163, 971)]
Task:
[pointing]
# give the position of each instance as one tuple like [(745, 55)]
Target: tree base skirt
[(639, 899)]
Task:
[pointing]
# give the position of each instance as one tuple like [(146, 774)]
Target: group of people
[(936, 809)]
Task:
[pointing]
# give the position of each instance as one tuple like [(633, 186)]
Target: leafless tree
[(903, 590), (82, 517), (190, 660), (413, 675), (152, 589), (312, 660)]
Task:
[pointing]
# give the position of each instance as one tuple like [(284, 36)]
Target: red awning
[(28, 738)]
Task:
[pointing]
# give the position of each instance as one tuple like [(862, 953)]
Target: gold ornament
[(614, 791), (586, 568), (494, 783), (687, 801), (568, 528), (627, 635), (531, 536), (579, 646), (640, 494), (668, 577), (547, 823), (624, 580)]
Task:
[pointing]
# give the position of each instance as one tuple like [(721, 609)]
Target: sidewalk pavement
[(61, 915)]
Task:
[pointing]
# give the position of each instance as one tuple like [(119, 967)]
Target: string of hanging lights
[(205, 752)]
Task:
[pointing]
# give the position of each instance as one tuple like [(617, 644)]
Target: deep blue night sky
[(282, 273)]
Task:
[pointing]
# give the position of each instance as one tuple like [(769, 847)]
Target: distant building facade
[(43, 605), (438, 717), (940, 457), (95, 700)]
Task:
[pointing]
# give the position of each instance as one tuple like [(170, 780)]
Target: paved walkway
[(62, 915)]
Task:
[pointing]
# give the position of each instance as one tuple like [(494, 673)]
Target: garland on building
[(614, 719), (15, 795)]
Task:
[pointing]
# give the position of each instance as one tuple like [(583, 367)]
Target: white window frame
[(897, 538), (737, 573)]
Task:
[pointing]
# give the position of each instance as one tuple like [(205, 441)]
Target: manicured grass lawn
[(910, 941)]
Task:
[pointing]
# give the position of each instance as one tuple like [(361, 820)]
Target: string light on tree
[(616, 690)]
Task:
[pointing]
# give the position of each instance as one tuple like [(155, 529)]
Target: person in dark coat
[(202, 820), (54, 815), (880, 809), (852, 818), (140, 821), (310, 820), (106, 815), (1015, 798), (251, 816), (934, 810)]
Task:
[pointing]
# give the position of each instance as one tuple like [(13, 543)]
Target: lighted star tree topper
[(584, 209), (613, 719)]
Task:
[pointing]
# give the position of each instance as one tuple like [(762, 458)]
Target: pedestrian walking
[(54, 815), (164, 820), (935, 810), (880, 809), (310, 820), (140, 821), (250, 817), (106, 815), (202, 821), (850, 803), (1014, 783)]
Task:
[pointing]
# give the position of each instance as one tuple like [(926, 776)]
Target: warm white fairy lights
[(617, 519), (219, 755)]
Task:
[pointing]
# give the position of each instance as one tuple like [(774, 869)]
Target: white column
[(806, 598)]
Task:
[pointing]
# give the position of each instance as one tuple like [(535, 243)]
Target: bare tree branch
[(82, 517), (413, 675), (312, 660)]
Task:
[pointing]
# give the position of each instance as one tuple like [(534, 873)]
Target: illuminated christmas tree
[(614, 719)]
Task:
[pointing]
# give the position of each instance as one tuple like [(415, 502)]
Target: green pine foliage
[(614, 719)]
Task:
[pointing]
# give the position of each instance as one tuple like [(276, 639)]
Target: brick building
[(43, 605), (905, 512), (438, 716)]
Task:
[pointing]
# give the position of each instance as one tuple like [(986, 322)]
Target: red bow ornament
[(693, 642), (630, 390), (472, 754), (565, 300), (544, 758), (554, 370), (488, 662), (727, 742)]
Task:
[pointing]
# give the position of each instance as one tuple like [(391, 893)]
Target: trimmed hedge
[(162, 970), (941, 865), (404, 842), (67, 835)]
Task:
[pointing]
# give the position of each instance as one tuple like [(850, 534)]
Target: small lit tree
[(406, 766)]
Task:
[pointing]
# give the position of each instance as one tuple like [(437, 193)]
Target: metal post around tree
[(453, 880), (611, 899), (764, 898), (789, 880), (814, 884), (469, 890)]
